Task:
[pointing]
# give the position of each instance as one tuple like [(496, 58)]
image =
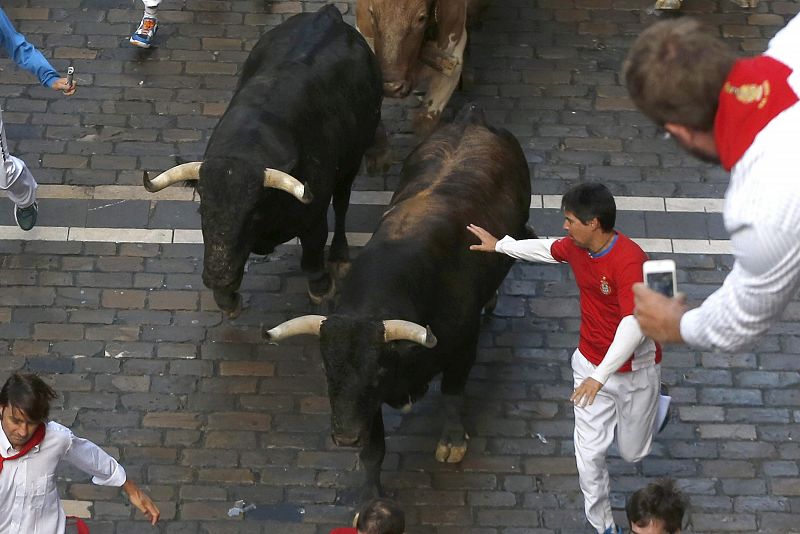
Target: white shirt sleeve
[(626, 339), (537, 250), (763, 280), (94, 461)]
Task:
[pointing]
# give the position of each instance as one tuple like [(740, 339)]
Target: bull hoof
[(230, 303), (322, 289), (451, 453), (424, 123), (237, 309)]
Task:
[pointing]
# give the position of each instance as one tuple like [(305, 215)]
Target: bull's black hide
[(418, 267), (307, 103)]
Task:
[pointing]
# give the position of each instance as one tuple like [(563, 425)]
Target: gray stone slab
[(117, 214)]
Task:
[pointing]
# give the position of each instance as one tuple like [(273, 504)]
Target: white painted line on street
[(187, 236), (655, 245), (120, 235), (371, 198), (356, 239), (702, 205), (701, 246), (38, 233)]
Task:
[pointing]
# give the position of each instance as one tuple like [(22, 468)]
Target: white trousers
[(15, 177), (626, 405), (151, 3)]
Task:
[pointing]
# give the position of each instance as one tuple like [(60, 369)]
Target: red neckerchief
[(38, 436), (755, 92), (347, 530)]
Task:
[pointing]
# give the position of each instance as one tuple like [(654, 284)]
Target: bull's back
[(313, 77), (463, 173), (466, 172)]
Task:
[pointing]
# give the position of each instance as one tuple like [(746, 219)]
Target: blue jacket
[(25, 54)]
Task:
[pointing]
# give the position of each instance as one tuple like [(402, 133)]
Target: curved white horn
[(307, 324), (185, 171), (286, 182), (395, 329)]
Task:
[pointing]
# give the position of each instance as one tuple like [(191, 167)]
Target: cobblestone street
[(105, 300)]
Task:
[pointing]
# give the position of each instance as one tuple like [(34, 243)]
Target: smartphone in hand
[(659, 275)]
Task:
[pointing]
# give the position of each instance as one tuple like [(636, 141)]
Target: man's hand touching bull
[(659, 317), (488, 241)]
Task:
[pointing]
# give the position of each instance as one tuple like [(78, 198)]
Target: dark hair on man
[(29, 393), (381, 516), (658, 501), (589, 200), (675, 71)]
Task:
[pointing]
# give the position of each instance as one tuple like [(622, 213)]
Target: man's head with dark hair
[(24, 404), (657, 508), (591, 200), (381, 516)]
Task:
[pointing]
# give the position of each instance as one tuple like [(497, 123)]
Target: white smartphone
[(659, 275)]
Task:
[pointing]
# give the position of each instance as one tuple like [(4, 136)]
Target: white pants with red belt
[(15, 177), (625, 406)]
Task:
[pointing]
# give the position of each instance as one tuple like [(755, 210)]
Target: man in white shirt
[(30, 450), (744, 114)]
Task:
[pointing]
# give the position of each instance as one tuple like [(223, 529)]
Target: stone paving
[(202, 413)]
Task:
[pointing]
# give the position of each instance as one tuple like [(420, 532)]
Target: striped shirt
[(762, 215)]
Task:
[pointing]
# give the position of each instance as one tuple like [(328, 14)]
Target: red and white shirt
[(605, 282), (757, 131)]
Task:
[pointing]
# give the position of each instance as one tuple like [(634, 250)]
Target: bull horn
[(286, 182), (185, 171), (307, 324), (395, 329)]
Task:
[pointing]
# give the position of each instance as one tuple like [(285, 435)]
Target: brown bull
[(418, 41)]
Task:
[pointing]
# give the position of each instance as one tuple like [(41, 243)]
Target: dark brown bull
[(418, 41), (410, 307)]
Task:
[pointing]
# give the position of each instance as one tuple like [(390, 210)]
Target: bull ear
[(307, 324), (179, 173), (397, 329), (286, 182)]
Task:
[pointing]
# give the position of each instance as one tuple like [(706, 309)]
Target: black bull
[(305, 109), (418, 270)]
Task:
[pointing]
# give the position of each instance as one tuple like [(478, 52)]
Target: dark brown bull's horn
[(286, 182), (185, 171), (307, 324), (396, 329)]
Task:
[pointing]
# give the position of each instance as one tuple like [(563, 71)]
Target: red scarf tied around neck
[(755, 92), (36, 439), (38, 436)]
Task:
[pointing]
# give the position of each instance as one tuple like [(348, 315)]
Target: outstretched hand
[(62, 85), (141, 501), (488, 241)]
